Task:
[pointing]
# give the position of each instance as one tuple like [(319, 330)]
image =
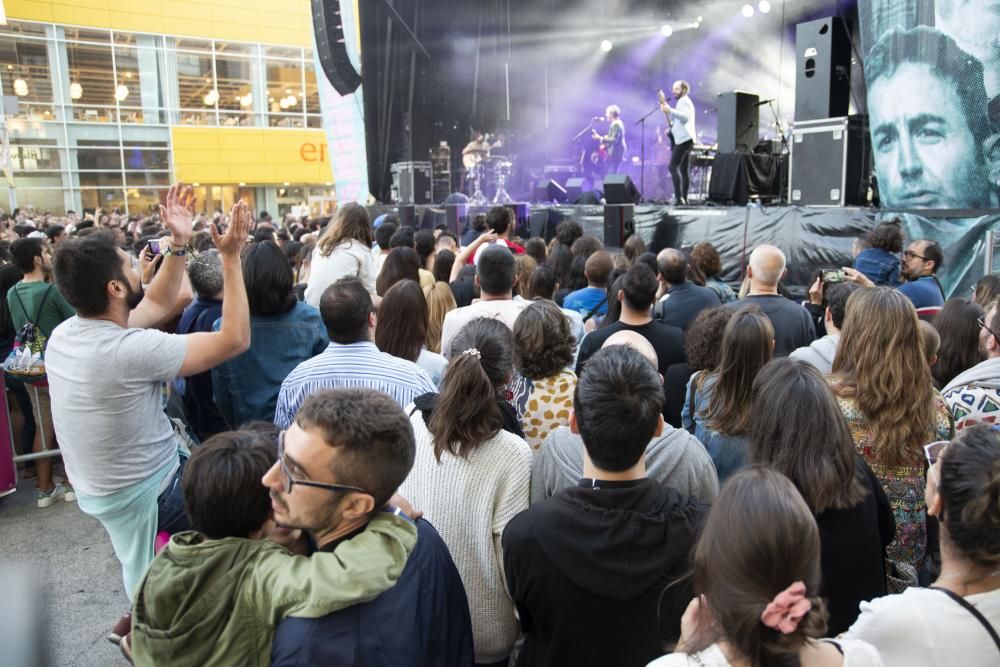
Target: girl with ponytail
[(756, 572), (471, 474), (956, 621)]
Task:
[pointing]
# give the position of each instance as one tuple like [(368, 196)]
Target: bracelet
[(169, 250)]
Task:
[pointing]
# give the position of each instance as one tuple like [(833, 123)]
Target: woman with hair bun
[(757, 580), (955, 621), (471, 475)]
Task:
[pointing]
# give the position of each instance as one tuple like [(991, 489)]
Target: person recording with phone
[(827, 304), (682, 134)]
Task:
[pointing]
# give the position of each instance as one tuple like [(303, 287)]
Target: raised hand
[(178, 214), (235, 238)]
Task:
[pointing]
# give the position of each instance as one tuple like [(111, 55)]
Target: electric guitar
[(670, 120)]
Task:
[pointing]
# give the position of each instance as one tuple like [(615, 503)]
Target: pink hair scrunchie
[(787, 610)]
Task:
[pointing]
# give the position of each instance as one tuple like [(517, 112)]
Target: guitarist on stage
[(614, 141), (682, 135)]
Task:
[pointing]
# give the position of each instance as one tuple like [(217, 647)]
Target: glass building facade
[(92, 115)]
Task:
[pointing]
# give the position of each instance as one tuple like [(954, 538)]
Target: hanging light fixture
[(121, 93), (211, 97), (283, 103), (75, 90), (292, 100), (20, 87), (246, 100)]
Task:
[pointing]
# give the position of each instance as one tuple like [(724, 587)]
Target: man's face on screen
[(925, 153)]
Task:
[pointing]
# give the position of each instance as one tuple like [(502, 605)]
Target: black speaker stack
[(830, 150)]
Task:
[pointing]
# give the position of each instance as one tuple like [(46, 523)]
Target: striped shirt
[(357, 365)]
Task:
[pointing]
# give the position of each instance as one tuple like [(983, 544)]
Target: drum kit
[(483, 170)]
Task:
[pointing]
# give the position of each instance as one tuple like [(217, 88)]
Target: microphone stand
[(583, 151), (642, 150)]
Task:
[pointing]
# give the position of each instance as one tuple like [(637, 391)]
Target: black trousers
[(680, 165)]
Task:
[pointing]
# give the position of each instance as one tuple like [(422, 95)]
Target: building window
[(25, 73), (91, 81), (235, 86), (197, 93)]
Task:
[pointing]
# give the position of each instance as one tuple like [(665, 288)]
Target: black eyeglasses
[(982, 322), (909, 254), (290, 481)]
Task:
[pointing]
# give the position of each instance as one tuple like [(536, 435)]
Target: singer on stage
[(614, 141), (682, 134)]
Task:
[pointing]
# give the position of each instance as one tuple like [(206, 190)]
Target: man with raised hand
[(107, 373)]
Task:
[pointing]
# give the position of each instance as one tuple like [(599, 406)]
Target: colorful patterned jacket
[(974, 396)]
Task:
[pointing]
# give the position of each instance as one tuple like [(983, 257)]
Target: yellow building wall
[(250, 155), (287, 22)]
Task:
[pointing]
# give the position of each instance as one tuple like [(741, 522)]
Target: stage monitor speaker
[(544, 222), (831, 161), (456, 217), (739, 122), (549, 190), (619, 224), (576, 187), (408, 216), (822, 69), (619, 189), (331, 47)]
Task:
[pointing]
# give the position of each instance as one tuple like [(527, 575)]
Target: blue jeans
[(170, 505)]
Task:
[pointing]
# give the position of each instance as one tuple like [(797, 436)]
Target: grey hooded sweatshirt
[(675, 459), (820, 353)]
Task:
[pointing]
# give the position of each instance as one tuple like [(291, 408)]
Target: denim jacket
[(728, 452), (246, 387)]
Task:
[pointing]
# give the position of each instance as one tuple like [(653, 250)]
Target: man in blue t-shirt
[(921, 261), (592, 299)]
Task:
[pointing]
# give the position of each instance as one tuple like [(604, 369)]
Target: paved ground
[(69, 555)]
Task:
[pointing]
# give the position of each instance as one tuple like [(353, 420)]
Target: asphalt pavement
[(66, 559)]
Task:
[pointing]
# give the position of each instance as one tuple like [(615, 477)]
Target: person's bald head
[(672, 265), (635, 341), (767, 265)]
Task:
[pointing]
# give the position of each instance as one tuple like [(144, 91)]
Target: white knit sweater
[(470, 501)]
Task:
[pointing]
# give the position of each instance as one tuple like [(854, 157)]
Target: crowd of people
[(351, 442)]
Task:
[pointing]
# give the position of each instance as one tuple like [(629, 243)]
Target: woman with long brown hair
[(799, 431), (717, 407), (471, 475), (344, 250), (757, 582), (885, 390), (401, 328)]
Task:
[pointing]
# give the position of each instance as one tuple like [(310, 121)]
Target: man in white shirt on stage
[(682, 134)]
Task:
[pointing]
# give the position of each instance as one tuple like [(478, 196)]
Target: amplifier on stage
[(831, 162), (412, 180)]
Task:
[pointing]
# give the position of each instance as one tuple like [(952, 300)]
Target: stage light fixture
[(606, 45), (764, 6), (748, 11), (666, 31), (700, 19)]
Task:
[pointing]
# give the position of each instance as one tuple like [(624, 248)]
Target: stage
[(811, 237)]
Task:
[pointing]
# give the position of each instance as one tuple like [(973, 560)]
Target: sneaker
[(58, 492), (122, 627), (126, 647), (70, 496)]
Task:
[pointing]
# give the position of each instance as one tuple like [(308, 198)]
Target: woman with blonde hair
[(884, 388), (344, 250), (440, 301)]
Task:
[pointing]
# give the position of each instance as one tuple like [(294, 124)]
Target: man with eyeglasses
[(339, 463), (922, 259), (974, 396)]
